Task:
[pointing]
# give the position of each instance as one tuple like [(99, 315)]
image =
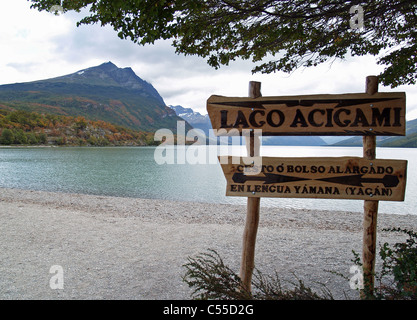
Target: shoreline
[(131, 248)]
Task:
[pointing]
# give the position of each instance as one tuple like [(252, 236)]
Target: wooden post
[(253, 205), (370, 208)]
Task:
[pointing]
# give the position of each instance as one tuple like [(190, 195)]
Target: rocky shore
[(129, 248)]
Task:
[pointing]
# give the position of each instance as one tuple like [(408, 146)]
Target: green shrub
[(20, 137), (212, 279), (398, 277), (31, 138), (7, 137), (42, 138), (60, 141)]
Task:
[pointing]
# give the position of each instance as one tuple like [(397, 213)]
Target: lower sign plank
[(326, 178)]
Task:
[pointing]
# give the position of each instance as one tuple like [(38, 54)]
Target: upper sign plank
[(381, 114)]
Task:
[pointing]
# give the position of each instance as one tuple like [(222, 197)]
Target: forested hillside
[(409, 141), (19, 127)]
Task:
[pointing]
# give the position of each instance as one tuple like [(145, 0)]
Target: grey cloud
[(21, 66)]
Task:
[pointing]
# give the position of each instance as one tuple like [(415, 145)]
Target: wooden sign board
[(380, 114), (325, 178)]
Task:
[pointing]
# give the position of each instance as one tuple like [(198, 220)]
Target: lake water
[(133, 172)]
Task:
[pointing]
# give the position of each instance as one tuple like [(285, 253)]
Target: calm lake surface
[(133, 172)]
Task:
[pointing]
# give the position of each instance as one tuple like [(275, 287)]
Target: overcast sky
[(39, 45)]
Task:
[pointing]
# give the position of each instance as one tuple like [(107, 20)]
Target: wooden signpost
[(368, 114)]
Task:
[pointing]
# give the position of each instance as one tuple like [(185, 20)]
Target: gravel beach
[(129, 248)]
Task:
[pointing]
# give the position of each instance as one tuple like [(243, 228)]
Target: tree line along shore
[(32, 128)]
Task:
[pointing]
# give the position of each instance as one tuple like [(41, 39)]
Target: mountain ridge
[(104, 92), (408, 141), (124, 77), (194, 118)]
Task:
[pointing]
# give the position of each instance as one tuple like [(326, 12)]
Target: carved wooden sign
[(342, 114), (332, 178)]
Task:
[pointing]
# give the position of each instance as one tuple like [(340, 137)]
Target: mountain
[(202, 122), (105, 92), (408, 141), (195, 119)]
